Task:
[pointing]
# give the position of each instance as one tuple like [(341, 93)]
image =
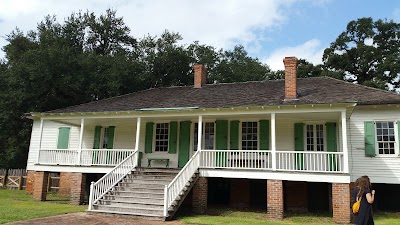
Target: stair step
[(135, 215), (136, 199), (141, 185), (150, 177), (132, 205), (158, 170), (159, 189), (146, 181), (128, 210), (142, 194)]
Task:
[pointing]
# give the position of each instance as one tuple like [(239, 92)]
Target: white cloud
[(310, 50), (222, 23)]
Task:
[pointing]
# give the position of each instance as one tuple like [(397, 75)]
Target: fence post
[(91, 196), (166, 200)]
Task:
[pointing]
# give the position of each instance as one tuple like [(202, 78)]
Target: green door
[(184, 143)]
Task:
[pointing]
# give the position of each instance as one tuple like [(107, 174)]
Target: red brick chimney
[(290, 77), (200, 74)]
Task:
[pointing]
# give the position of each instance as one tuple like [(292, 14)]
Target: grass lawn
[(17, 205), (226, 216)]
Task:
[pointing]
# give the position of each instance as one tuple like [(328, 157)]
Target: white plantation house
[(293, 144)]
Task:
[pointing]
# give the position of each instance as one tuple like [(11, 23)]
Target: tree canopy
[(87, 58), (367, 53)]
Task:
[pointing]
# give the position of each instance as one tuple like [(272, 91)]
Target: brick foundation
[(275, 199), (199, 198), (30, 181), (340, 202), (40, 185), (240, 193), (78, 182), (65, 184)]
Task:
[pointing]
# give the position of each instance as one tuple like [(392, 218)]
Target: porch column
[(137, 133), (40, 139), (344, 138), (199, 133), (273, 141), (80, 141)]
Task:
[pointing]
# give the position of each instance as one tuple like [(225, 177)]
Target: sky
[(268, 29)]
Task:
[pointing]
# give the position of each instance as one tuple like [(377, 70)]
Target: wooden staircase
[(141, 194)]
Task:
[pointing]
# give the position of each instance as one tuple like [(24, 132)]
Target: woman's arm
[(371, 197)]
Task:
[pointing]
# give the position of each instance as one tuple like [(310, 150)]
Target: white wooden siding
[(34, 143), (380, 169), (173, 158)]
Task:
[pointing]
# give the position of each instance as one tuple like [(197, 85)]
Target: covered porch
[(291, 138)]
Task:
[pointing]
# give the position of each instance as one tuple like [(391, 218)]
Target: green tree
[(238, 66), (367, 53), (167, 63)]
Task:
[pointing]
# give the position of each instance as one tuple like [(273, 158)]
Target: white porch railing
[(108, 181), (173, 189), (236, 159), (326, 162), (87, 157), (103, 157), (58, 156), (331, 162)]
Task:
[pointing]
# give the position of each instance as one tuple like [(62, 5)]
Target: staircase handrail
[(173, 189), (108, 181)]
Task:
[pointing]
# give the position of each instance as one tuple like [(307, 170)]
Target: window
[(161, 137), (208, 136), (249, 136), (385, 138), (315, 137)]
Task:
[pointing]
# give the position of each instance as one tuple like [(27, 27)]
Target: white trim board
[(289, 176), (73, 169)]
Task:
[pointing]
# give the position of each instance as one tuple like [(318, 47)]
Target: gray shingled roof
[(319, 90)]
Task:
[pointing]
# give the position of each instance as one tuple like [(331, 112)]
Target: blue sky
[(269, 29)]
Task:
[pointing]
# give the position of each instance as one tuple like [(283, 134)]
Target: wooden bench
[(158, 159)]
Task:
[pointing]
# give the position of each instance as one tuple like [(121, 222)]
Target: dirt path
[(91, 219)]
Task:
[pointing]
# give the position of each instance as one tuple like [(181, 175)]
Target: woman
[(364, 216)]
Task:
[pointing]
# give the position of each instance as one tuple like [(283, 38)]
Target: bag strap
[(358, 196)]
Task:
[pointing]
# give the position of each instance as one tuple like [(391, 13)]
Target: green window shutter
[(172, 137), (221, 134), (221, 143), (264, 134), (148, 146), (96, 141), (110, 136), (234, 135), (331, 137), (369, 138), (184, 143), (63, 138), (299, 136), (299, 144), (331, 145)]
